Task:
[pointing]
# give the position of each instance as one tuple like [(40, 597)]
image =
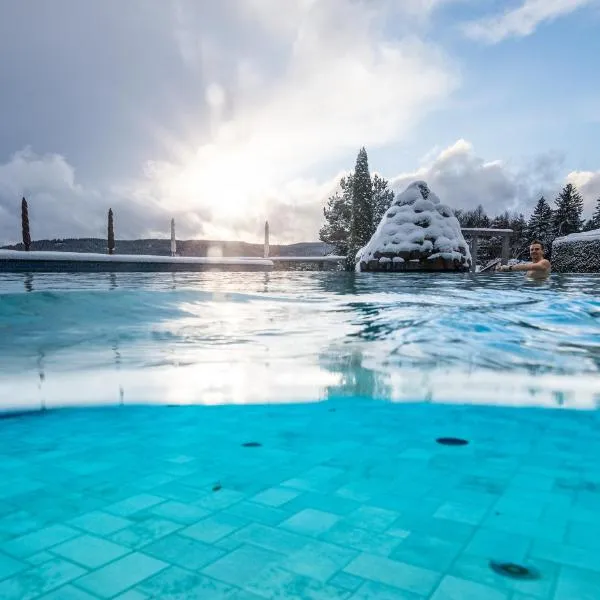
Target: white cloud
[(522, 21), (588, 184), (62, 207), (338, 81), (464, 180)]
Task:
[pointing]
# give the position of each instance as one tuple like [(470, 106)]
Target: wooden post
[(266, 252), (505, 248), (474, 250)]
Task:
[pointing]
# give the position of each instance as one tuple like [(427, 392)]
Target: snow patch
[(583, 236), (126, 258)]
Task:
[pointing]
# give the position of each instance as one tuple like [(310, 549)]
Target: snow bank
[(130, 258), (13, 261), (577, 253), (417, 233), (584, 236)]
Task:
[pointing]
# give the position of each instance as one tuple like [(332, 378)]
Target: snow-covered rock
[(577, 253), (417, 233)]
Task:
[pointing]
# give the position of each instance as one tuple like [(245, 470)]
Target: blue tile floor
[(341, 500)]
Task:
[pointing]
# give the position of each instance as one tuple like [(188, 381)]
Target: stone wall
[(577, 253)]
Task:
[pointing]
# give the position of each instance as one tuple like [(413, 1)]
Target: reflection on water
[(254, 337)]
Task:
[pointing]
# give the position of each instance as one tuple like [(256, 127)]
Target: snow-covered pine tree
[(361, 224), (338, 214), (382, 199), (594, 222), (541, 225), (567, 215)]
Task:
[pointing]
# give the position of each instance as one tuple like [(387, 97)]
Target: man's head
[(536, 250)]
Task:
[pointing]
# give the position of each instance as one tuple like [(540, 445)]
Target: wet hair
[(537, 242)]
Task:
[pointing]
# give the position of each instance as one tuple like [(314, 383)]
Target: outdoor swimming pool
[(281, 337), (243, 485)]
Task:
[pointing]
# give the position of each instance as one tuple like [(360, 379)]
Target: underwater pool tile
[(393, 573), (184, 552), (371, 518), (326, 502), (175, 582), (310, 522), (362, 539), (345, 581), (39, 580), (461, 513), (100, 523), (577, 584), (242, 565), (426, 551), (275, 497), (499, 545), (454, 588), (36, 541), (179, 512), (68, 592), (9, 566), (133, 504), (260, 513), (270, 538), (275, 582), (318, 560), (120, 575), (90, 551), (214, 528), (144, 532)]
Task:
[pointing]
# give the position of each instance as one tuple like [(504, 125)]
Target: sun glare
[(231, 180)]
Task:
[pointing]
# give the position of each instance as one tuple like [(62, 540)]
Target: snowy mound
[(584, 236), (417, 233), (577, 253)]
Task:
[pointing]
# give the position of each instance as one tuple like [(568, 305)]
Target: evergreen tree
[(567, 215), (594, 222), (541, 226), (25, 225), (361, 224), (382, 199), (338, 214), (473, 218), (111, 232), (519, 245), (353, 213)]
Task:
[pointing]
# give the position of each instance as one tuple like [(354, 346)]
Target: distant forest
[(162, 247)]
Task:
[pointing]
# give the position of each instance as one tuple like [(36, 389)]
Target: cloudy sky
[(222, 114)]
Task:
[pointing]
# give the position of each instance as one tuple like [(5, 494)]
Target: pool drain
[(512, 570), (451, 441), (251, 445)]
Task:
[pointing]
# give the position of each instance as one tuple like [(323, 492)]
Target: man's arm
[(543, 265)]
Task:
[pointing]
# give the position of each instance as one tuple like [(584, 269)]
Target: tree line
[(354, 211)]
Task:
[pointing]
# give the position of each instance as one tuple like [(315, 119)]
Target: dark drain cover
[(451, 441), (512, 570), (252, 445)]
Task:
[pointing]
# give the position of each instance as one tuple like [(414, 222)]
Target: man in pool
[(539, 266)]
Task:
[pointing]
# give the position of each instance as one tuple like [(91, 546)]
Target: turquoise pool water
[(280, 337), (293, 452)]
